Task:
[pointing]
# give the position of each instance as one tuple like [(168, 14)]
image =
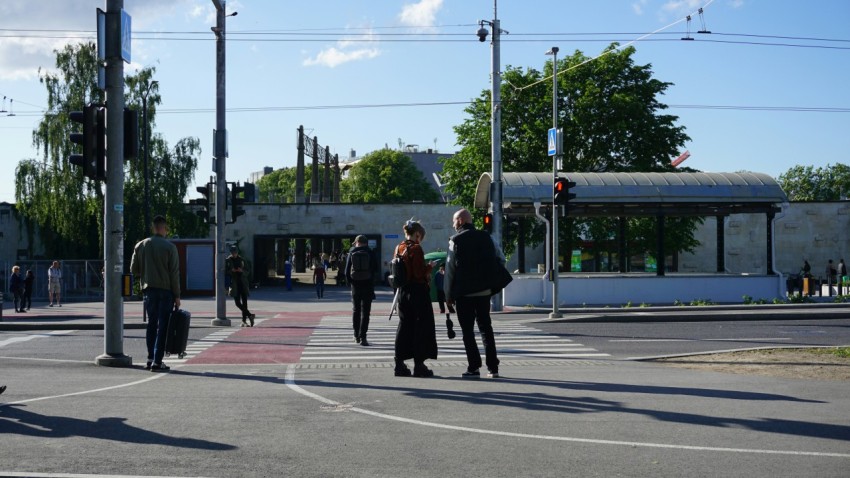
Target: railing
[(82, 281)]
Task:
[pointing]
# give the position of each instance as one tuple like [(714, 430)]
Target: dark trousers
[(469, 311), (158, 304), (441, 299), (416, 337), (320, 288), (240, 298), (27, 301), (19, 300), (361, 298)]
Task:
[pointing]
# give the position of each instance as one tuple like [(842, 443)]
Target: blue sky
[(354, 61)]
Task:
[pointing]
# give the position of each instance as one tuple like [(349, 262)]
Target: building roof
[(641, 194)]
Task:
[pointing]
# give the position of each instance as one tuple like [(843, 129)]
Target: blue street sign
[(126, 36), (553, 141)]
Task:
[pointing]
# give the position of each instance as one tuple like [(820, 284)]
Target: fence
[(82, 281)]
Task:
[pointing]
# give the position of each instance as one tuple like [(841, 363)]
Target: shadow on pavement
[(16, 420)]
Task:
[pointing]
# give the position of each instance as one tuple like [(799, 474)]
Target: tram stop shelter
[(657, 195)]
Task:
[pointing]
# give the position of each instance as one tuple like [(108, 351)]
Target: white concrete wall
[(616, 289)]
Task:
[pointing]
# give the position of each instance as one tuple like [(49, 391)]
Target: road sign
[(126, 36), (101, 49), (553, 141)]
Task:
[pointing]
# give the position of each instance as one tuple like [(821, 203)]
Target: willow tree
[(64, 207)]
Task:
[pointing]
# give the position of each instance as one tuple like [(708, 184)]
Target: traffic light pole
[(496, 144), (555, 260), (220, 139), (113, 210)]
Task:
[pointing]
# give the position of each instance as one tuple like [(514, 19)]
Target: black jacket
[(373, 266), (470, 262)]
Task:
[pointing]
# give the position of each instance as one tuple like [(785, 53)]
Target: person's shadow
[(15, 419)]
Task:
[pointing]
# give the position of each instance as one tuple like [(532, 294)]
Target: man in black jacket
[(469, 268), (360, 270)]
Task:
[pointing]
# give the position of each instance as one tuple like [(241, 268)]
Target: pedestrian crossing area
[(333, 341), (195, 348)]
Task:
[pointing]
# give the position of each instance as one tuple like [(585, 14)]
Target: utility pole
[(117, 51), (220, 146), (146, 143), (495, 134), (556, 263)]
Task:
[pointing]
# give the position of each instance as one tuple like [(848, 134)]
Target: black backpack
[(398, 269), (361, 267)]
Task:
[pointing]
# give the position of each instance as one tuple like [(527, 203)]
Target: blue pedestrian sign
[(554, 142), (126, 36)]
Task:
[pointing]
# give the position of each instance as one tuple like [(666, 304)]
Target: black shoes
[(148, 365), (493, 374), (471, 374), (364, 342), (402, 372), (244, 323), (423, 372), (357, 339), (160, 367), (251, 318)]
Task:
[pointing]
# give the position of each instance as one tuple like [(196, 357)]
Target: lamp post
[(555, 260), (146, 144), (495, 133)]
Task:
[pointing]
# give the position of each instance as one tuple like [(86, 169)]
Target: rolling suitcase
[(177, 334)]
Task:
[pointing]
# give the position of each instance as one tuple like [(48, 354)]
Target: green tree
[(67, 208), (386, 176), (807, 183), (279, 186), (612, 118)]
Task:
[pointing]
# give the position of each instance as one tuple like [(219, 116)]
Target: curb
[(726, 351), (701, 316)]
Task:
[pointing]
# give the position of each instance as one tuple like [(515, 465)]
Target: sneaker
[(471, 374), (148, 365), (244, 323), (251, 318), (51, 305), (357, 339), (364, 342), (493, 374), (161, 367), (402, 372)]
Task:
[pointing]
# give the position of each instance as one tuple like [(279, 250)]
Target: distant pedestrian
[(842, 269), (16, 287), (360, 270), (235, 267), (287, 274), (439, 284), (319, 277), (157, 266), (416, 336), (469, 263), (54, 284), (806, 269), (830, 272), (28, 281)]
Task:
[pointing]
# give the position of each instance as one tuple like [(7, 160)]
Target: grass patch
[(843, 352)]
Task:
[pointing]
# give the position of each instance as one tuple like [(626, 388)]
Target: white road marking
[(28, 337), (758, 339), (12, 474), (153, 376), (290, 382)]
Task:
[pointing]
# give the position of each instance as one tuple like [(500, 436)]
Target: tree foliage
[(66, 208), (613, 121), (279, 186), (386, 176), (807, 183)]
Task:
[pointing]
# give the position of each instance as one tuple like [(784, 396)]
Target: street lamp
[(555, 259), (145, 141)]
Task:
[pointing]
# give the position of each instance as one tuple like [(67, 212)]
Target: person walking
[(235, 267), (157, 266), (416, 336), (440, 284), (287, 274), (360, 270), (54, 284), (319, 276), (16, 287), (842, 276), (469, 266), (28, 280)]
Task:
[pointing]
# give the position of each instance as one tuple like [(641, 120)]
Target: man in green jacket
[(236, 267), (156, 264)]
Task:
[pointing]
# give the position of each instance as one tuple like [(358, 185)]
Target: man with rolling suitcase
[(156, 264)]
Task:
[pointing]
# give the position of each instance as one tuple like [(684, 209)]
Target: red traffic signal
[(561, 194), (488, 223)]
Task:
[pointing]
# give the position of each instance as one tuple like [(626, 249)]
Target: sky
[(287, 57)]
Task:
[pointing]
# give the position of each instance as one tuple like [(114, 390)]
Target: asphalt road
[(295, 397)]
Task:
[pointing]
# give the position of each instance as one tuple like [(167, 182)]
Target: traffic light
[(488, 223), (204, 202), (100, 143), (87, 139), (131, 134), (237, 198), (562, 194)]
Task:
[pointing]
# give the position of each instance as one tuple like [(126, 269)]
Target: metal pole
[(113, 210), (555, 258), (220, 139), (496, 144), (147, 154)]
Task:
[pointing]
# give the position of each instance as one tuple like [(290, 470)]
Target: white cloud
[(206, 10), (736, 3), (681, 7), (361, 47), (420, 14), (638, 6)]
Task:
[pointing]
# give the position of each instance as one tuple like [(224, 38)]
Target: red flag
[(681, 159)]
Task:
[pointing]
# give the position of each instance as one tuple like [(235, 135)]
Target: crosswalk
[(333, 341), (199, 346)]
